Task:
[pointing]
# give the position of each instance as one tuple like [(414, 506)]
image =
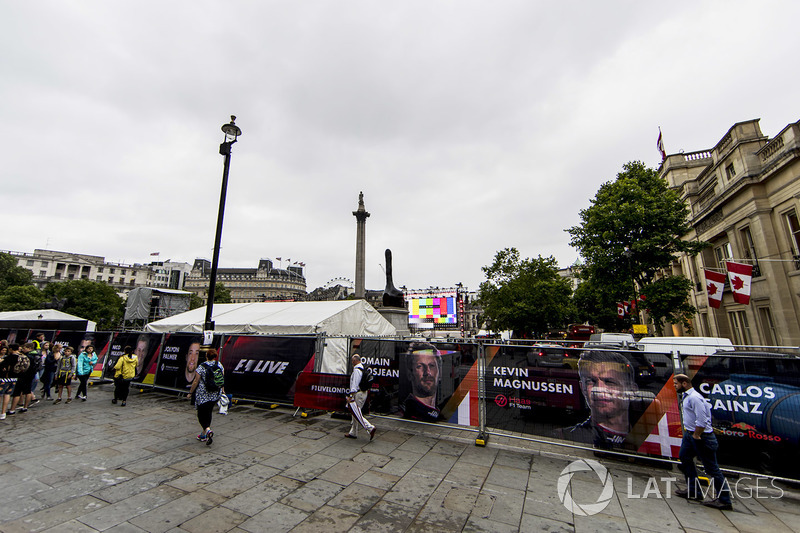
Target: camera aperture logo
[(585, 509)]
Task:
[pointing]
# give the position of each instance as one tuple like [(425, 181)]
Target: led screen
[(432, 310)]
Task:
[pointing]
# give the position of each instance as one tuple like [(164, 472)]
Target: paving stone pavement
[(93, 466)]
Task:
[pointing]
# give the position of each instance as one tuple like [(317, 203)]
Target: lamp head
[(231, 130)]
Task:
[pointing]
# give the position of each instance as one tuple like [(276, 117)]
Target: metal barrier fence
[(619, 400)]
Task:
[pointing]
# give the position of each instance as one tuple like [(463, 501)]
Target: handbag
[(223, 403)]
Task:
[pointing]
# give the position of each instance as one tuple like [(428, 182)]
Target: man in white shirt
[(356, 399), (699, 441)]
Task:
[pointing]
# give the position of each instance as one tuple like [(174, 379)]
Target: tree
[(93, 300), (630, 235), (12, 275), (524, 295), (222, 295), (195, 301), (21, 298)]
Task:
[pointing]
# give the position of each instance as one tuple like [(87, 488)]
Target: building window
[(122, 272), (794, 236), (723, 253), (132, 282), (99, 278), (100, 270), (730, 171), (749, 250), (43, 273), (29, 263), (111, 270), (71, 276), (44, 263), (122, 280), (771, 336), (740, 327), (111, 279), (57, 275)]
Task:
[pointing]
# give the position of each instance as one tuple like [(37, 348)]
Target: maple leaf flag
[(740, 276), (715, 282), (621, 309)]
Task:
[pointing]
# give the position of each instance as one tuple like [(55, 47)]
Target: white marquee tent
[(338, 318)]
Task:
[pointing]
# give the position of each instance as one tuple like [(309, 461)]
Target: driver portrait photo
[(422, 370)]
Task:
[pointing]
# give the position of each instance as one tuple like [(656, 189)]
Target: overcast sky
[(470, 126)]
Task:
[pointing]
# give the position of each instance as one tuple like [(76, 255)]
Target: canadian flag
[(715, 282), (621, 309), (740, 276)]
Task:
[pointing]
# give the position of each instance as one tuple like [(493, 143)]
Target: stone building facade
[(261, 284), (744, 197), (52, 266)]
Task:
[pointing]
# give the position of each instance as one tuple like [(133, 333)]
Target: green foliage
[(630, 233), (195, 301), (524, 295), (93, 300), (12, 275), (21, 298), (222, 295), (597, 306), (666, 299)]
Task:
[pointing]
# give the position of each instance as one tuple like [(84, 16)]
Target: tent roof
[(42, 318), (342, 317)]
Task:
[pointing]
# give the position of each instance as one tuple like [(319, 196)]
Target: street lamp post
[(231, 131)]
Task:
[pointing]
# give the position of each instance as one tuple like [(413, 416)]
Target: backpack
[(22, 365), (36, 360), (367, 377), (214, 377)]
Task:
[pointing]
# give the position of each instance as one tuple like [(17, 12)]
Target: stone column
[(361, 215)]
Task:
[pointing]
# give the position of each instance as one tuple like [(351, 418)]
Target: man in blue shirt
[(699, 441)]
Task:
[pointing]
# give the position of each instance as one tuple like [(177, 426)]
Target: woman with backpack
[(65, 371), (207, 387), (125, 371)]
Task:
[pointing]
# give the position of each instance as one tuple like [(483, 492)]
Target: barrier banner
[(755, 408), (325, 392), (79, 340), (422, 381), (265, 368), (604, 398), (180, 355), (146, 347)]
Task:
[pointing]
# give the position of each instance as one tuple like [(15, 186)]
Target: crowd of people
[(24, 366)]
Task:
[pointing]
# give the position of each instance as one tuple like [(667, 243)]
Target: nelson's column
[(361, 215)]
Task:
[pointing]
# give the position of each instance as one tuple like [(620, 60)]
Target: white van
[(685, 345)]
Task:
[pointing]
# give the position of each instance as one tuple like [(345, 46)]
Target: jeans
[(82, 388), (47, 381), (706, 449)]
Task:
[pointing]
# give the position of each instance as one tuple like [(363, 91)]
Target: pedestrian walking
[(699, 441), (86, 361), (356, 397), (25, 368), (207, 388), (50, 362), (65, 371), (8, 378), (124, 372)]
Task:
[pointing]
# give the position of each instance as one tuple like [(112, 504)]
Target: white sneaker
[(2, 416)]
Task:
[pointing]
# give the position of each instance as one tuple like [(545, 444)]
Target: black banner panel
[(265, 368)]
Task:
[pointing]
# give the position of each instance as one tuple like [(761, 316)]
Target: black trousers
[(123, 387), (84, 380), (204, 414)]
